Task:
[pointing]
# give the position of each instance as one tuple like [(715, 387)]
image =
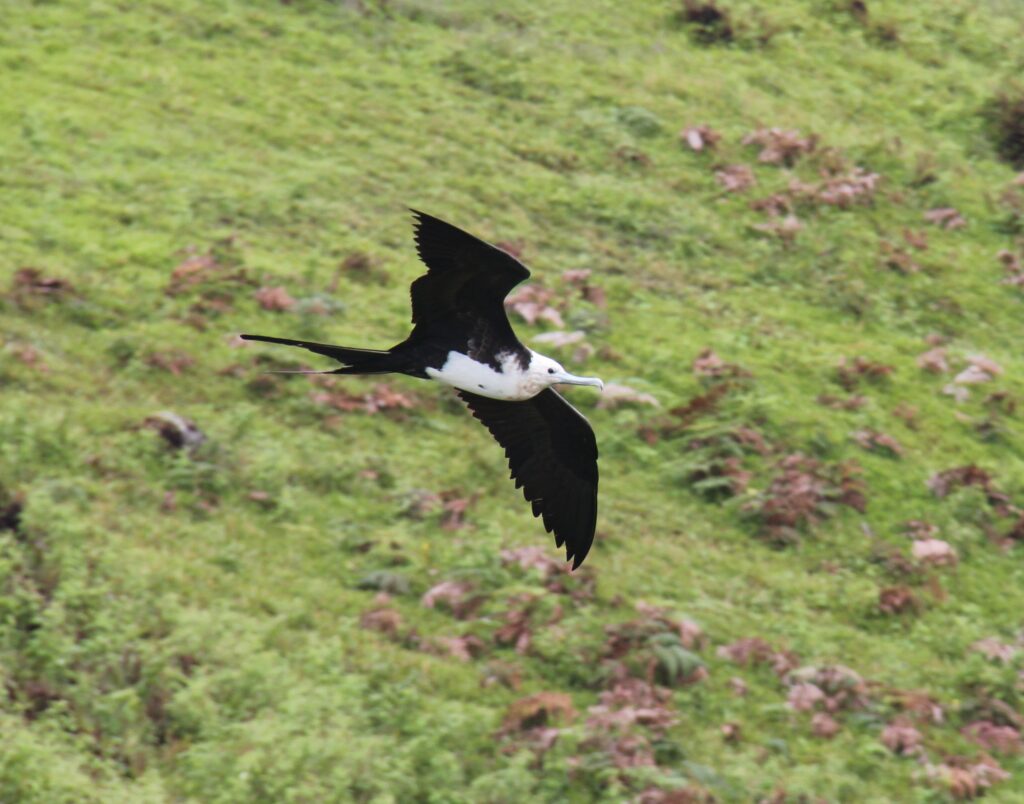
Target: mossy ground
[(165, 634)]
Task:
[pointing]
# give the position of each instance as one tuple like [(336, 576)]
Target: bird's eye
[(551, 371)]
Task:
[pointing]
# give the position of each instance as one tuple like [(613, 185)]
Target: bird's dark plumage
[(462, 336), (552, 453), (357, 361), (464, 274), (463, 291)]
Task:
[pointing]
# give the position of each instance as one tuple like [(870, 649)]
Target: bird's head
[(546, 372)]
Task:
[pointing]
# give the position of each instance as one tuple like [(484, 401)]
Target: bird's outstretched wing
[(465, 275), (552, 453)]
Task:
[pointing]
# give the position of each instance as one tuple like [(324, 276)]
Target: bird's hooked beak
[(566, 378)]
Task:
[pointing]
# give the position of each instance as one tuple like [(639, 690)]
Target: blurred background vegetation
[(789, 233)]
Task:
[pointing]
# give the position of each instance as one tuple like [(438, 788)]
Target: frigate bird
[(462, 337)]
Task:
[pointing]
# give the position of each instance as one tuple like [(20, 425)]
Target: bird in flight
[(462, 337)]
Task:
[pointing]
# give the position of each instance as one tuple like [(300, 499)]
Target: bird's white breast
[(462, 371)]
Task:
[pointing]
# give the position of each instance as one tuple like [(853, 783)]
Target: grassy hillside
[(808, 578)]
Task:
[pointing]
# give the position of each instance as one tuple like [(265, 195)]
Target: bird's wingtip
[(419, 220)]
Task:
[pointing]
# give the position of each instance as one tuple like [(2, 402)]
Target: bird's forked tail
[(356, 361)]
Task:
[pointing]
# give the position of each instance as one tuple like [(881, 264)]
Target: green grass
[(166, 637)]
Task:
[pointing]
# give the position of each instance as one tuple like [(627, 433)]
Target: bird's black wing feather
[(465, 276), (552, 453)]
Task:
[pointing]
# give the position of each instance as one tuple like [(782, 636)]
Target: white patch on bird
[(511, 383)]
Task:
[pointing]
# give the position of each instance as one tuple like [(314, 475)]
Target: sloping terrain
[(792, 231)]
